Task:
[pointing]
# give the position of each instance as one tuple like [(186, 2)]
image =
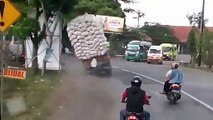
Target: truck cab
[(169, 51)]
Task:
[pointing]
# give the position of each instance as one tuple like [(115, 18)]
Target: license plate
[(175, 91)]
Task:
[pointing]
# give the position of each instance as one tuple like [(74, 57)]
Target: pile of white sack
[(87, 36)]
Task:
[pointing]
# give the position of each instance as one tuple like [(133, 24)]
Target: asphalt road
[(196, 82), (97, 98)]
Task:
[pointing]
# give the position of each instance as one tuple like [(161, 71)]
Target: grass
[(35, 90), (203, 67)]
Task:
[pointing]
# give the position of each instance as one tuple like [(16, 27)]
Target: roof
[(147, 38), (181, 32), (155, 47)]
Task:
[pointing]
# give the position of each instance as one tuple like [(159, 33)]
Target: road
[(88, 97)]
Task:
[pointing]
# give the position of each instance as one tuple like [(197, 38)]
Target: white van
[(155, 54)]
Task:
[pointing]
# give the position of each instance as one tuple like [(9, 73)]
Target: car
[(155, 55)]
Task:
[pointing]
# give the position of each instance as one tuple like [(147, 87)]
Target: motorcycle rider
[(135, 98), (173, 76)]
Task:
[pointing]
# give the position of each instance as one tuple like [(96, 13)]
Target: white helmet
[(174, 65)]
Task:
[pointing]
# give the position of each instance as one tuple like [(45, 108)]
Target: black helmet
[(136, 81), (174, 65)]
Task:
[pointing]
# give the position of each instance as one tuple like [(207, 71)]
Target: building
[(181, 32)]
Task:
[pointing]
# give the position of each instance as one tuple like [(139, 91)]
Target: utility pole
[(2, 62), (202, 22), (138, 19), (139, 15)]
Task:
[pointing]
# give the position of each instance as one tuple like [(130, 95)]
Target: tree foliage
[(101, 7), (196, 19), (207, 48), (159, 34), (25, 25), (191, 42), (28, 25), (135, 34)]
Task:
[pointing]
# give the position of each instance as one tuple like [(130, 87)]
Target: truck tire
[(109, 72)]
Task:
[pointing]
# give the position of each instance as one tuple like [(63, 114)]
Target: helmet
[(136, 81), (174, 65)]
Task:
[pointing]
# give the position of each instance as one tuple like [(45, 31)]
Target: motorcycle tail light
[(132, 118)]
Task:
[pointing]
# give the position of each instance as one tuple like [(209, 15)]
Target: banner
[(112, 24)]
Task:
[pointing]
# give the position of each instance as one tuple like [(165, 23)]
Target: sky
[(168, 12)]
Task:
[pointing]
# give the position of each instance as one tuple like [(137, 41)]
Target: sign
[(112, 24), (14, 73), (8, 14)]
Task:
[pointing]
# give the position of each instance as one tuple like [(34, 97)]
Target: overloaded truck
[(101, 65), (87, 37)]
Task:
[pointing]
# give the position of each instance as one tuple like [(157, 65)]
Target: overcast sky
[(169, 12)]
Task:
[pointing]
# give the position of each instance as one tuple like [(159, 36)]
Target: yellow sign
[(8, 14), (112, 24), (14, 73)]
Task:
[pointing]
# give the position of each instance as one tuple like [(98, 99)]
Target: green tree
[(207, 48), (159, 34), (191, 44), (28, 25), (129, 35), (101, 7)]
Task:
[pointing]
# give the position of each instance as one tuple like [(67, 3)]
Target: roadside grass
[(206, 69), (35, 90), (203, 67)]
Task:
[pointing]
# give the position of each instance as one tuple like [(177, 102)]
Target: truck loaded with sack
[(87, 37)]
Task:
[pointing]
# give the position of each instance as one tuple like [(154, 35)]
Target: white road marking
[(155, 80), (124, 70)]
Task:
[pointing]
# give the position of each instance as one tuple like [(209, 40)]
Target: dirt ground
[(81, 96)]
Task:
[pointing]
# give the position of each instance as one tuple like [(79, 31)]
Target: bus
[(137, 50)]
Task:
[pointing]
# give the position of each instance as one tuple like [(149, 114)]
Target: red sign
[(14, 73)]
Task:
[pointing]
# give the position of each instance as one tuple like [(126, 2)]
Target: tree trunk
[(193, 62), (210, 66), (63, 48), (35, 61), (45, 61)]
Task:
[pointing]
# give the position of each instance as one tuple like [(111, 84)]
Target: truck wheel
[(127, 59), (109, 72)]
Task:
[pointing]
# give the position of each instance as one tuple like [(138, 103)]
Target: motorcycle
[(133, 115), (174, 93)]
